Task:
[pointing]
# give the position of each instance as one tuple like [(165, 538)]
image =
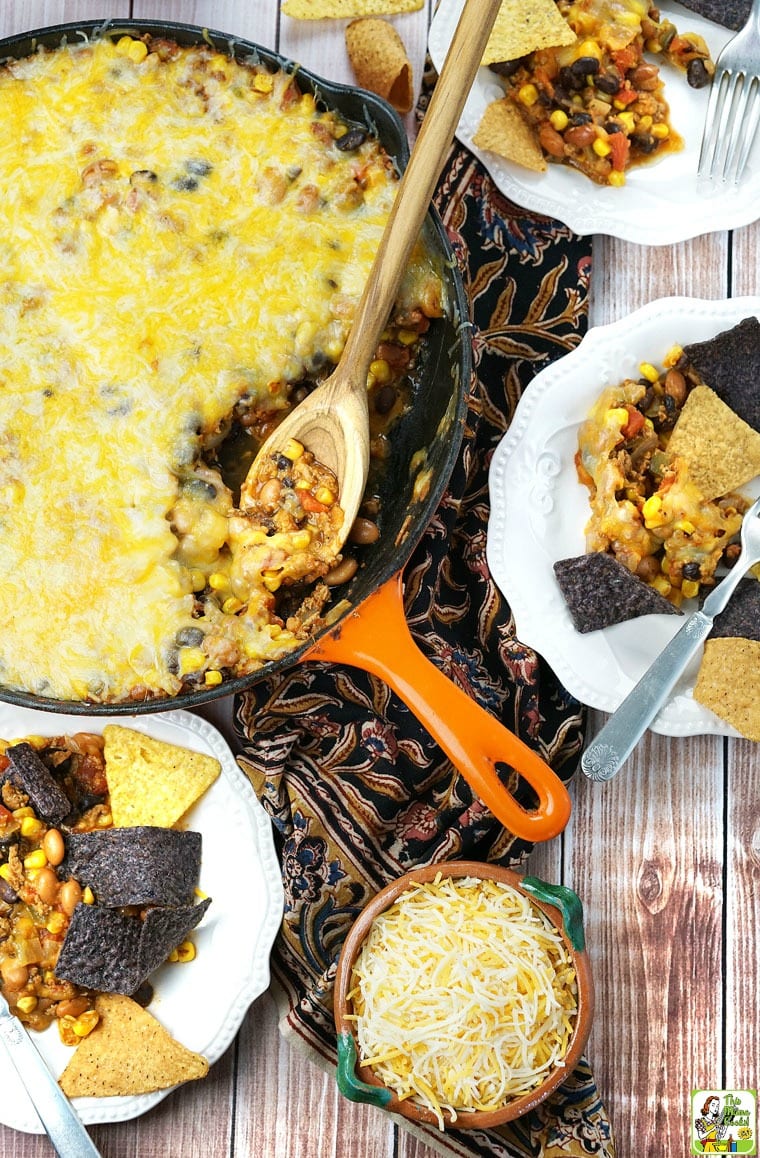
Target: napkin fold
[(356, 788)]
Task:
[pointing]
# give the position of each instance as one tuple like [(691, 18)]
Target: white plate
[(239, 871), (539, 510), (660, 203)]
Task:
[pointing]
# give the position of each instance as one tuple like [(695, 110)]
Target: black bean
[(644, 142), (580, 118), (351, 140), (281, 462), (613, 127), (697, 74), (692, 571), (585, 66), (569, 80), (144, 995), (185, 184), (607, 81), (198, 167), (199, 488), (506, 67), (189, 637), (385, 399), (7, 894)]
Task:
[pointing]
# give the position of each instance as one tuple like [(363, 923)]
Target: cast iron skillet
[(371, 631)]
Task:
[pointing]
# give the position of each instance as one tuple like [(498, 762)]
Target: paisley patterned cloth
[(356, 788)]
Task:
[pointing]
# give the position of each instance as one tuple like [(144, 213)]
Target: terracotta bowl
[(564, 911)]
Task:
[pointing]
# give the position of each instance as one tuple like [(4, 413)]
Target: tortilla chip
[(729, 683), (521, 28), (729, 364), (730, 13), (128, 1052), (741, 618), (329, 9), (504, 131), (600, 591), (30, 775), (105, 950), (135, 866), (379, 60), (721, 451), (152, 782)]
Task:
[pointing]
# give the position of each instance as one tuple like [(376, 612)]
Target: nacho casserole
[(598, 104), (186, 240)]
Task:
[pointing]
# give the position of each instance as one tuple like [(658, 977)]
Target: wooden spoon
[(333, 421)]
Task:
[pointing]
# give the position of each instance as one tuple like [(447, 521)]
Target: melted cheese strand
[(464, 995)]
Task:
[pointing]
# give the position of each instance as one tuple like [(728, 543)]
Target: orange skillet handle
[(376, 638)]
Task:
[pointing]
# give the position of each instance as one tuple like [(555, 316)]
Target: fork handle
[(611, 748)]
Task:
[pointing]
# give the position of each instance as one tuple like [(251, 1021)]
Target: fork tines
[(733, 115)]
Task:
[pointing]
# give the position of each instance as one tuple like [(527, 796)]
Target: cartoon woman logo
[(711, 1127)]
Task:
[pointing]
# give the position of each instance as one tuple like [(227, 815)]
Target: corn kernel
[(197, 580), (618, 415), (620, 105), (173, 957), (660, 131), (292, 449), (30, 826), (686, 526), (381, 371), (212, 678), (85, 1023), (263, 82), (138, 51), (191, 659), (88, 897), (645, 122), (272, 580), (601, 148), (105, 820), (324, 495), (302, 484), (590, 48), (56, 922), (653, 45), (217, 581), (616, 178), (648, 371), (407, 337), (36, 859), (200, 894), (527, 95), (628, 121), (673, 356), (661, 584), (186, 952), (301, 539), (690, 588), (5, 872), (27, 1004), (20, 813), (232, 605), (559, 120), (652, 512)]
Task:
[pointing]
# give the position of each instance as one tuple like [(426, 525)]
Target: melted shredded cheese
[(180, 233), (464, 996)]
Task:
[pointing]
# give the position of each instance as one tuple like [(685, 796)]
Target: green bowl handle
[(568, 903), (348, 1083)]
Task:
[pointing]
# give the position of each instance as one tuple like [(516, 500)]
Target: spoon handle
[(418, 182), (62, 1123), (611, 748)]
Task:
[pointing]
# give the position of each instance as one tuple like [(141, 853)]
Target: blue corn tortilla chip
[(741, 617), (729, 364), (599, 591), (113, 953), (729, 13), (28, 773), (145, 865)]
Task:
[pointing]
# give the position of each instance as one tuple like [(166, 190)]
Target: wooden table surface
[(666, 857)]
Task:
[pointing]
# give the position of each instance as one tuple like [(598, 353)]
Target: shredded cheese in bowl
[(464, 996)]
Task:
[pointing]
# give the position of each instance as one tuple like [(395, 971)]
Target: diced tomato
[(625, 96), (626, 58), (620, 146), (309, 503), (634, 424)]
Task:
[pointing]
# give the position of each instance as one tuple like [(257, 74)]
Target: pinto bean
[(342, 572), (363, 531), (551, 141), (579, 136)]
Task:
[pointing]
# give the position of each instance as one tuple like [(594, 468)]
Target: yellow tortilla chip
[(379, 60), (330, 9), (504, 131), (729, 683), (521, 28), (128, 1052), (721, 451), (151, 782)]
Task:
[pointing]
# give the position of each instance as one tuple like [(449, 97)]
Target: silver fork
[(625, 727), (733, 111)]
